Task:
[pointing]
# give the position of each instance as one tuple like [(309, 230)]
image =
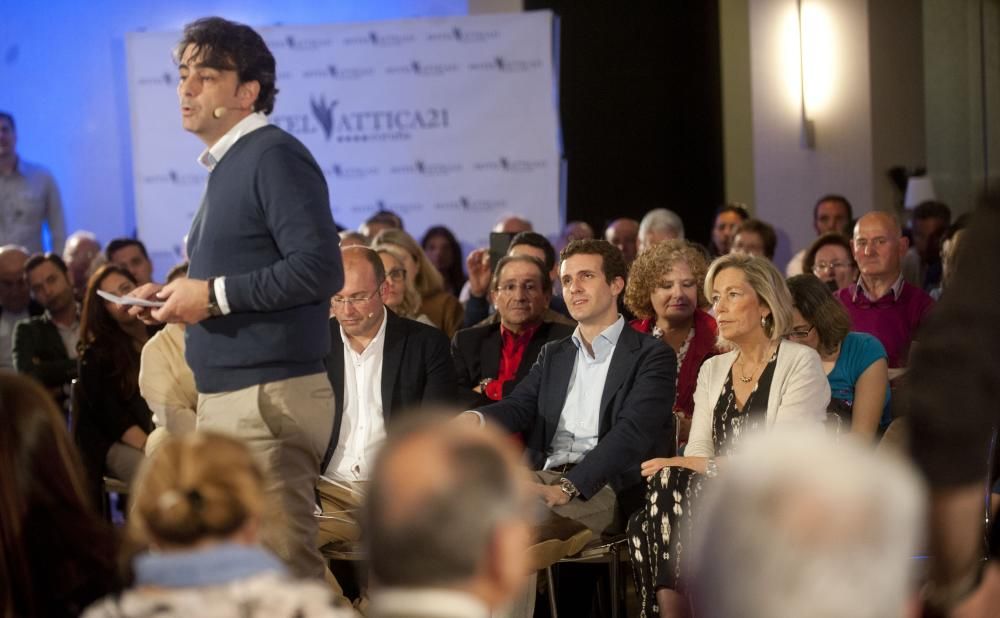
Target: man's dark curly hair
[(228, 46)]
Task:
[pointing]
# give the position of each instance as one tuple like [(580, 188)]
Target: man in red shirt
[(490, 360)]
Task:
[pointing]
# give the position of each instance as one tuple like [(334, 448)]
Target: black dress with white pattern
[(658, 531)]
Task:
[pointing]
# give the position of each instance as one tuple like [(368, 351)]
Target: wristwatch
[(214, 310), (568, 488), (483, 383)]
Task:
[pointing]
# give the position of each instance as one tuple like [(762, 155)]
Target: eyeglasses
[(860, 244), (351, 300), (530, 287), (798, 333), (819, 267), (397, 274)]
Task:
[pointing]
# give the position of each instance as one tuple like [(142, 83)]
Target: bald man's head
[(445, 509), (879, 246), (14, 295)]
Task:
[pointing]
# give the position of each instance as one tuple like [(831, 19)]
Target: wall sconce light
[(809, 62)]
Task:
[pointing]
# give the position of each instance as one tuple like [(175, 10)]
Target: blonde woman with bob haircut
[(400, 295), (761, 381), (197, 513), (443, 309)]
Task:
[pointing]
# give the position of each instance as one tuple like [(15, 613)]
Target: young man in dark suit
[(492, 359), (380, 366)]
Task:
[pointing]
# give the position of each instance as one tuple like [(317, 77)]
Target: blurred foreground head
[(803, 525), (446, 511)]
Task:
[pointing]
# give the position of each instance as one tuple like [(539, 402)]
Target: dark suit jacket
[(38, 351), (476, 353), (636, 421), (416, 370)]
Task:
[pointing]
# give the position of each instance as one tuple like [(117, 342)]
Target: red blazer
[(702, 347)]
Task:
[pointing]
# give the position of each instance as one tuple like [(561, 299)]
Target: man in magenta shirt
[(881, 302)]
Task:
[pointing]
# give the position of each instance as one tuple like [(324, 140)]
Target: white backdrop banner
[(448, 121)]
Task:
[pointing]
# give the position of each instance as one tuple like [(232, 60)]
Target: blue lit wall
[(63, 76)]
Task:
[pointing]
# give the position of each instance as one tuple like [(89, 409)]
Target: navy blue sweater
[(265, 224)]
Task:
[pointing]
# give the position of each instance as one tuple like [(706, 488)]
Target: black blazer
[(476, 354), (416, 370), (636, 421), (38, 351)]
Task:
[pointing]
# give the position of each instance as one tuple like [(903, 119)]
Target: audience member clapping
[(198, 506), (56, 555)]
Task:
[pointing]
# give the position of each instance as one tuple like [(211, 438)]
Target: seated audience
[(832, 214), (929, 223), (755, 237), (166, 382), (56, 554), (830, 258), (624, 234), (381, 220), (448, 523), (727, 219), (400, 296), (114, 420), (575, 230), (512, 224), (658, 225), (492, 359), (45, 345), (477, 306), (445, 254), (949, 248), (761, 383), (591, 409), (951, 406), (16, 303), (381, 366), (197, 509), (130, 254), (350, 239), (881, 302), (82, 255), (664, 292), (855, 363), (442, 308), (803, 525)]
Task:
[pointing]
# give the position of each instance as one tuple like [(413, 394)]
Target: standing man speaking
[(264, 263)]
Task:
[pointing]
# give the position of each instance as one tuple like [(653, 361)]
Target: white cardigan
[(799, 394)]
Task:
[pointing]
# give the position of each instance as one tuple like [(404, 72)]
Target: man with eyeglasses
[(380, 366), (881, 303), (490, 360)]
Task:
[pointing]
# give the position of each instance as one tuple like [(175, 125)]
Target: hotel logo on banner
[(348, 125), (513, 166), (164, 79), (470, 204), (380, 39), (175, 178), (464, 36), (295, 43), (333, 71), (506, 65), (423, 168), (423, 69), (379, 205), (349, 172)]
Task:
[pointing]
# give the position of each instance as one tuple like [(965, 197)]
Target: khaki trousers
[(287, 425), (340, 503)]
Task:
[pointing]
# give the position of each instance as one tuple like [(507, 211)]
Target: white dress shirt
[(209, 158), (362, 429), (580, 420)]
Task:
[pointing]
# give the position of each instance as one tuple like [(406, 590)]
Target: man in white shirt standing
[(595, 405), (380, 365)]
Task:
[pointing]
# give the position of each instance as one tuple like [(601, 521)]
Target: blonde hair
[(652, 264), (194, 487), (410, 305), (428, 280), (766, 282)]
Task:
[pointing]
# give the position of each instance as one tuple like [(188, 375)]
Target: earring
[(763, 321)]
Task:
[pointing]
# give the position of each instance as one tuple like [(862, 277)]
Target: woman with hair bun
[(195, 524)]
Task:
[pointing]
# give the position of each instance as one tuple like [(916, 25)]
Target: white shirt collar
[(211, 156), (431, 602), (378, 336), (604, 342)]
